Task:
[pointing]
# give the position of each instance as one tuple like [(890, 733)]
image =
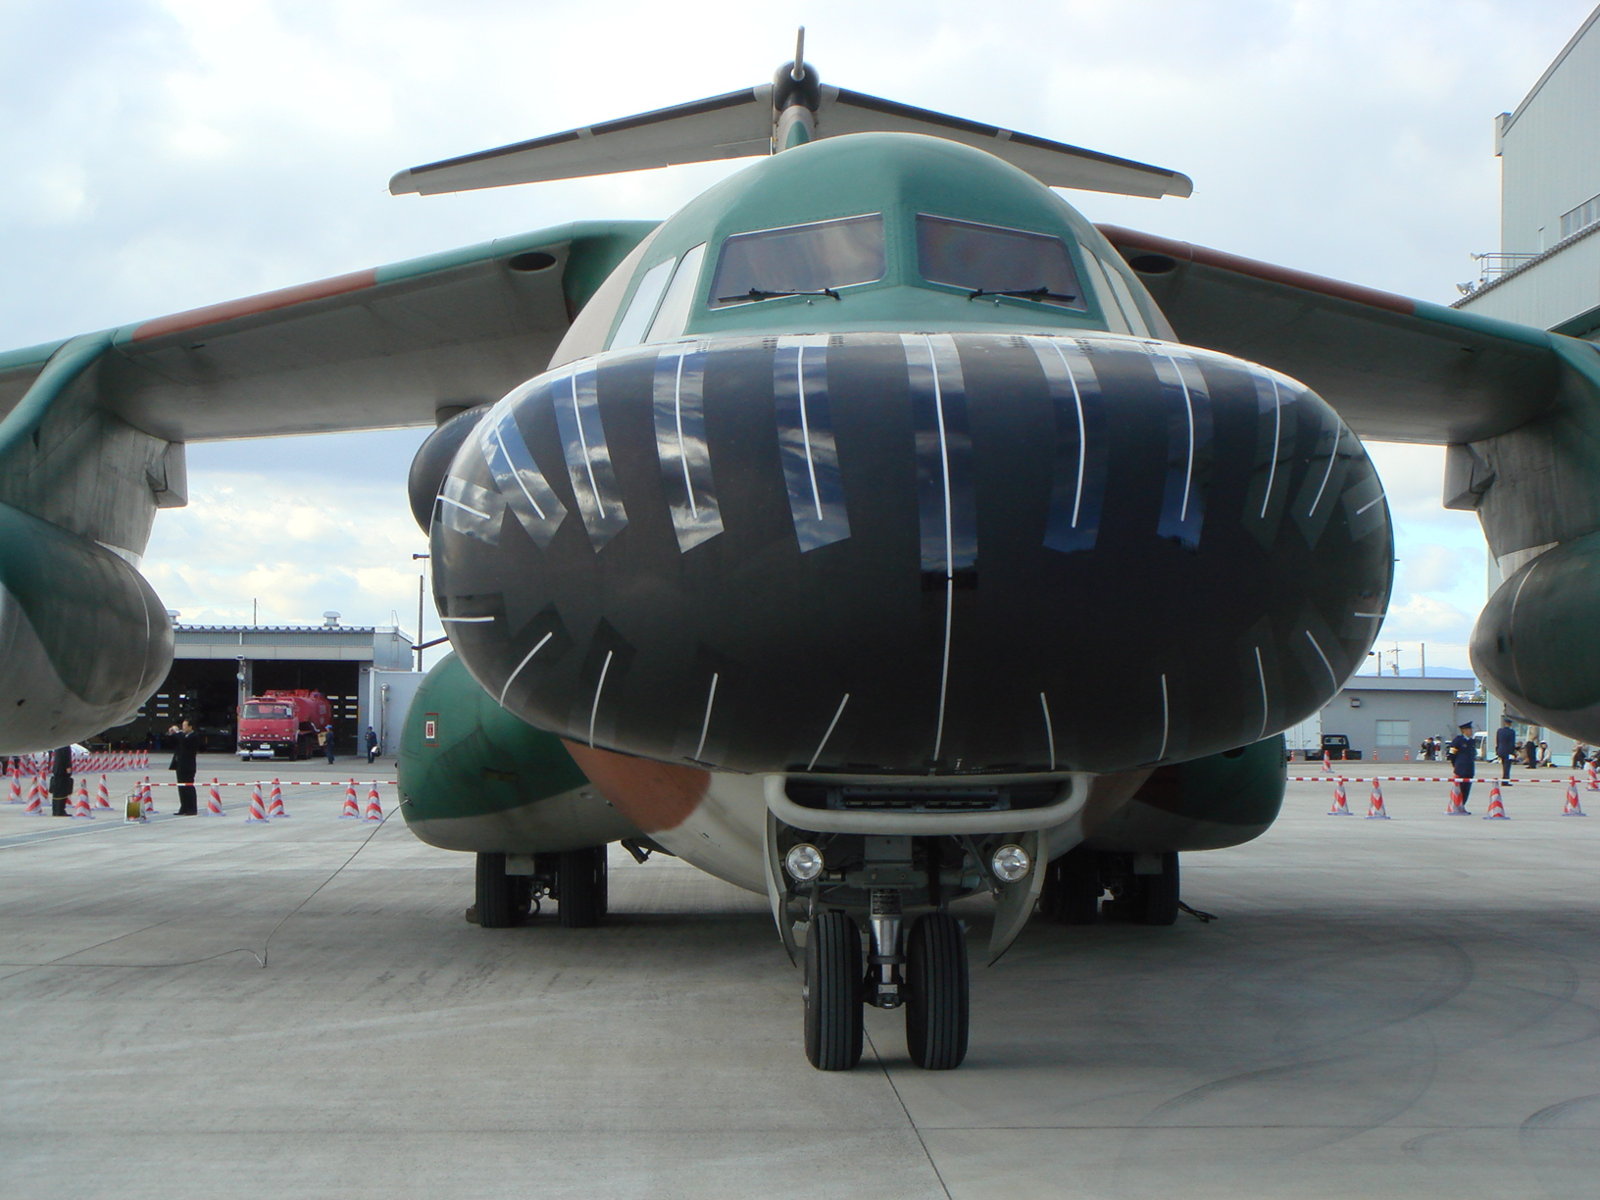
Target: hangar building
[(363, 671)]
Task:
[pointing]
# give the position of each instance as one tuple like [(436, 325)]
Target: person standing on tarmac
[(1463, 759), (1505, 748), (327, 741), (185, 751), (372, 744)]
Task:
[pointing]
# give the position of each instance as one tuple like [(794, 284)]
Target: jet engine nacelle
[(909, 553), (1534, 644), (83, 638)]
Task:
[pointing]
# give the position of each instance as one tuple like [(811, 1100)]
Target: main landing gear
[(1143, 888), (926, 974), (509, 888)]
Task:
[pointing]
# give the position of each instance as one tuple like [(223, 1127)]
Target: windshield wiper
[(1038, 293), (759, 294)]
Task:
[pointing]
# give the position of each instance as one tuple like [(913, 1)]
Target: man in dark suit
[(185, 750)]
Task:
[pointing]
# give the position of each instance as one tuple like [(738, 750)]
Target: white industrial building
[(1547, 270)]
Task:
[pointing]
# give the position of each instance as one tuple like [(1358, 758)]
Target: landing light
[(803, 862), (1011, 863)]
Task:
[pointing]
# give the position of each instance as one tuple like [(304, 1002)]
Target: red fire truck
[(285, 723)]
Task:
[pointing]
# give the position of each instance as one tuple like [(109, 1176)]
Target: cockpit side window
[(679, 298), (991, 261), (799, 260), (636, 317)]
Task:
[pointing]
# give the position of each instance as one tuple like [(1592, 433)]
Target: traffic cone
[(1375, 808), (214, 800), (1594, 776), (1341, 806), (1573, 808), (35, 798), (1497, 810), (147, 797), (102, 798), (1457, 806), (374, 806), (352, 807), (276, 809), (1326, 765), (258, 811), (80, 805), (16, 787)]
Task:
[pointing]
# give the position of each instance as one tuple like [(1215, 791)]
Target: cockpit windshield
[(991, 261), (799, 260)]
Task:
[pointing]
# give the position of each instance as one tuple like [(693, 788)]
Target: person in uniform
[(1505, 748), (1464, 759)]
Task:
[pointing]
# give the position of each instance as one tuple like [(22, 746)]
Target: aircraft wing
[(1396, 369), (373, 349)]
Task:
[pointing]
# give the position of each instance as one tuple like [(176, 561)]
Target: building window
[(1585, 215), (1393, 733)]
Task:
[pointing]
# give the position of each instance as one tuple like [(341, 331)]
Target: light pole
[(421, 577)]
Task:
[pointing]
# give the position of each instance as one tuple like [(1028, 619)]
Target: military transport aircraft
[(873, 533)]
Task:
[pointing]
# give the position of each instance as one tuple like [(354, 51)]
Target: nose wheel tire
[(581, 879), (832, 992), (937, 989)]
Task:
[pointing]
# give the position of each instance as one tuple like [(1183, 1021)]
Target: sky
[(166, 155)]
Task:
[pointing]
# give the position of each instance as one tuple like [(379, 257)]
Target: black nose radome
[(909, 553)]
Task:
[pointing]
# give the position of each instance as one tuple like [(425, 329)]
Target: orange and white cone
[(1326, 765), (258, 810), (102, 798), (1573, 808), (1457, 806), (352, 806), (1341, 804), (80, 804), (16, 788), (1375, 808), (276, 809), (214, 800), (1594, 776), (35, 798), (374, 806), (1497, 809)]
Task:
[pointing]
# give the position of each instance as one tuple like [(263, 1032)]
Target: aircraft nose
[(912, 553)]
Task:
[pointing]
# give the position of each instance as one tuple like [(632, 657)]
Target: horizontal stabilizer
[(740, 125), (735, 125), (1054, 163)]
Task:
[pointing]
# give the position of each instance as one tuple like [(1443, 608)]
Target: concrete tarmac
[(202, 1007)]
